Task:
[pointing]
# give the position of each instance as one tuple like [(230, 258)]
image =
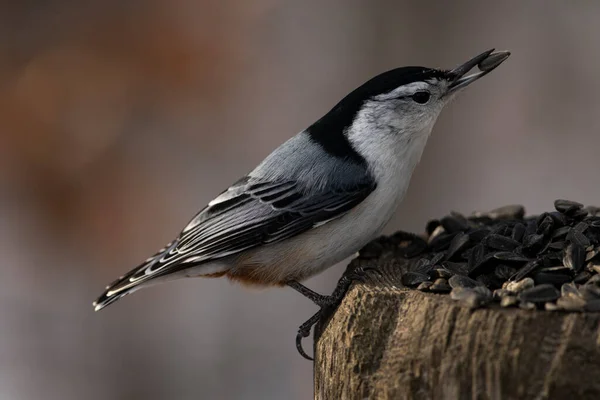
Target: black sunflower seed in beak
[(486, 62)]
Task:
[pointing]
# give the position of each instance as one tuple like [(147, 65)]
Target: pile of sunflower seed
[(550, 261)]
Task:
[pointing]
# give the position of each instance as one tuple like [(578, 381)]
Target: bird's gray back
[(306, 162)]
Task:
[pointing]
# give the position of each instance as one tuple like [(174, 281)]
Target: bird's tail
[(152, 268)]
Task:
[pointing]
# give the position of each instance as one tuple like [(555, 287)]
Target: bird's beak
[(486, 62)]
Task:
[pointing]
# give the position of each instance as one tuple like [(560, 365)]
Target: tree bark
[(388, 342)]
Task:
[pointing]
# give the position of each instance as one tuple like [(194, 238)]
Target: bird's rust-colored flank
[(246, 277), (253, 280), (251, 274), (215, 275)]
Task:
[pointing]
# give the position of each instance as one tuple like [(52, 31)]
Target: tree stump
[(388, 342)]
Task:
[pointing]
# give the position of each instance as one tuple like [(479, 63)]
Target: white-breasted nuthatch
[(320, 196)]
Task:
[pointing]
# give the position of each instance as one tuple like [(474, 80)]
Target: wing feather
[(251, 213)]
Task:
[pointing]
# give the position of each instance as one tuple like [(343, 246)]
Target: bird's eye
[(421, 97)]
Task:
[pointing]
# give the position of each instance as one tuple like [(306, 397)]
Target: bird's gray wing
[(264, 212), (251, 213), (256, 212)]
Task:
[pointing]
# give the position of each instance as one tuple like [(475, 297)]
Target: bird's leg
[(324, 302), (310, 294), (338, 293)]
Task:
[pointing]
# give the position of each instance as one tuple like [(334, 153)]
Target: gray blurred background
[(120, 119)]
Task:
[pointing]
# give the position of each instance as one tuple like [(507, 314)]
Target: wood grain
[(388, 342)]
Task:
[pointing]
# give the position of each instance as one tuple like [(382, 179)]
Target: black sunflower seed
[(553, 279), (567, 206), (500, 229), (594, 280), (476, 256), (574, 257), (505, 272), (557, 245), (457, 268), (561, 232), (525, 270), (412, 279), (530, 258), (559, 269), (457, 245), (431, 226), (461, 281), (443, 273), (559, 219), (441, 242), (436, 232), (422, 266), (487, 261), (466, 255), (592, 210), (530, 227), (440, 286), (594, 222), (455, 223), (545, 225), (533, 242), (437, 258), (569, 289), (503, 243), (477, 235), (582, 277), (539, 294), (581, 227), (578, 238), (579, 215), (552, 259), (490, 280), (518, 232), (511, 257), (514, 211)]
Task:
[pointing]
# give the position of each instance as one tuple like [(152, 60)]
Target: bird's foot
[(326, 303)]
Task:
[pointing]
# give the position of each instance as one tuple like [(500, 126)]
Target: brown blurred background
[(120, 119)]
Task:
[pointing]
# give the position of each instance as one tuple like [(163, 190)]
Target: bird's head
[(397, 109)]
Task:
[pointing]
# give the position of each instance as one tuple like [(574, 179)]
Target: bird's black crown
[(328, 131)]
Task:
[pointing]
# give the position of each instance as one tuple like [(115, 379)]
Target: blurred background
[(120, 119)]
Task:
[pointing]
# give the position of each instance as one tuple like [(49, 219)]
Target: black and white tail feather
[(127, 283)]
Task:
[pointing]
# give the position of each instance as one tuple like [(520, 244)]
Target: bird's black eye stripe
[(421, 97)]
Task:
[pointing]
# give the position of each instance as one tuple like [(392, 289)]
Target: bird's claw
[(304, 331), (360, 273), (326, 302)]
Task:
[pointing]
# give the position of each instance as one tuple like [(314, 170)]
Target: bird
[(319, 197)]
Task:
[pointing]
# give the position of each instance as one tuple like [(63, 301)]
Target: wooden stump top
[(388, 342)]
